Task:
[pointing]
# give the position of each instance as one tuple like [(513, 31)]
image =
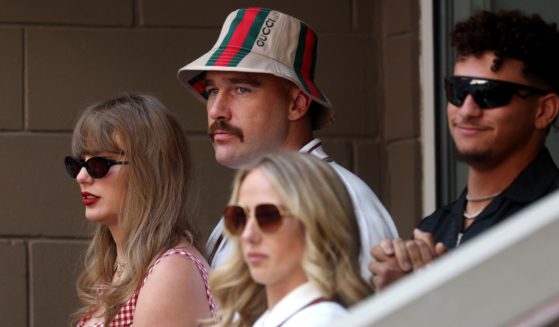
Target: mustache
[(222, 125)]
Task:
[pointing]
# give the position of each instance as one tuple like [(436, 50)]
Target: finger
[(378, 253), (377, 282), (375, 268), (425, 237), (440, 249), (372, 265), (385, 273), (402, 254), (378, 276), (414, 254), (427, 253), (383, 247), (387, 246)]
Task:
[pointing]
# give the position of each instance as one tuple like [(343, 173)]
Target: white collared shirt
[(294, 310), (375, 224)]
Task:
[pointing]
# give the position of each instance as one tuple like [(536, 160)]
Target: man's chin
[(473, 156), (229, 161)]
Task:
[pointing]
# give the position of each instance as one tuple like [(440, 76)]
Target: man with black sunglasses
[(258, 86), (502, 103)]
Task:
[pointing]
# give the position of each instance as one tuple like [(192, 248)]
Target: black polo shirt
[(540, 178)]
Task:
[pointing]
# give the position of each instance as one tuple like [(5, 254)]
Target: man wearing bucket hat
[(258, 85)]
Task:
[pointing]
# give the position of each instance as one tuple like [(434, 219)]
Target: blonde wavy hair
[(156, 211), (312, 191)]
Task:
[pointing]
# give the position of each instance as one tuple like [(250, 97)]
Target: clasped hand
[(395, 258)]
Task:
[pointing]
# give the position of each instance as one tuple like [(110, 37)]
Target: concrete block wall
[(401, 107), (57, 57)]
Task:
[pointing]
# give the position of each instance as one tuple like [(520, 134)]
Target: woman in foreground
[(297, 246)]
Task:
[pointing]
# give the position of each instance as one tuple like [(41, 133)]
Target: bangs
[(95, 132)]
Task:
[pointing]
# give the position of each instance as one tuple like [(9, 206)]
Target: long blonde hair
[(155, 214), (314, 194)]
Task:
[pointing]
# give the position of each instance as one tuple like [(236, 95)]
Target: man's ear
[(300, 104), (547, 111)]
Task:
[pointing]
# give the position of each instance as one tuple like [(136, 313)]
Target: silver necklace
[(472, 215), (481, 198)]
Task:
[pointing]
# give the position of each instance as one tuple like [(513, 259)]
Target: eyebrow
[(248, 81), (101, 153), (236, 80)]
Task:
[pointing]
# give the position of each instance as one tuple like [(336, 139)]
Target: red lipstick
[(88, 198)]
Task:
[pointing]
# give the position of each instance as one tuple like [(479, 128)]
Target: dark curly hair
[(512, 34)]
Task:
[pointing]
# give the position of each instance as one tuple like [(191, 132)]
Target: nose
[(83, 177), (251, 233), (218, 107), (469, 108)]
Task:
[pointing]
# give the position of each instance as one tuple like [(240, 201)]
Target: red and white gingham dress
[(125, 316)]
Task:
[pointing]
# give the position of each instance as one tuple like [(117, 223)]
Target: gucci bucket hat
[(260, 40)]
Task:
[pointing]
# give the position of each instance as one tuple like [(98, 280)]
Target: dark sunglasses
[(97, 167), (487, 93), (268, 217)]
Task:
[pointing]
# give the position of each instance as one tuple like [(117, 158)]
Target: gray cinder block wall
[(56, 57)]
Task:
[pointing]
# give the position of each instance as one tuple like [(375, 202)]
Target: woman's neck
[(115, 233), (276, 292)]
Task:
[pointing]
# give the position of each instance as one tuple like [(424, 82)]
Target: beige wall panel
[(324, 15), (343, 72), (11, 68), (366, 13), (55, 266), (13, 284), (398, 21), (405, 185), (70, 69), (401, 91), (213, 185), (369, 166), (80, 12), (38, 197)]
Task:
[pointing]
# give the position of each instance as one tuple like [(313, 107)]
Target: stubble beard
[(473, 157)]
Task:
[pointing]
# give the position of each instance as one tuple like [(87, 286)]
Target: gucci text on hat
[(259, 40)]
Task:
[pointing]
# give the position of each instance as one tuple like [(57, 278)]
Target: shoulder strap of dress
[(199, 266)]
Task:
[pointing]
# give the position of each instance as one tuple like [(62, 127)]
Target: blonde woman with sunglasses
[(297, 246), (143, 267)]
